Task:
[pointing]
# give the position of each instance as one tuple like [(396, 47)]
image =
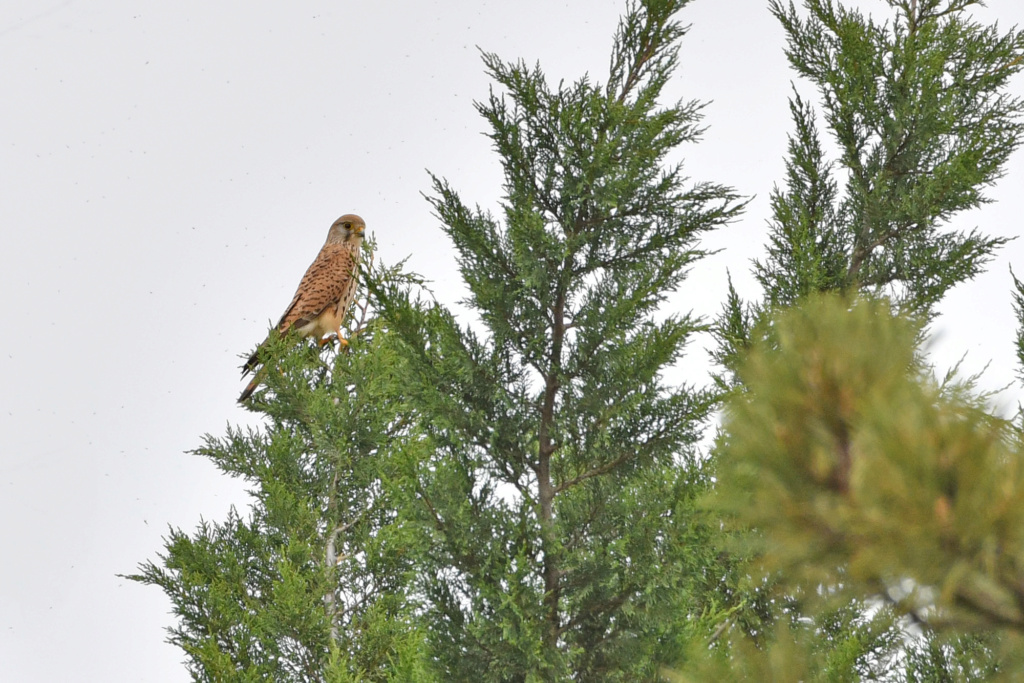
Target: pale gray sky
[(168, 171)]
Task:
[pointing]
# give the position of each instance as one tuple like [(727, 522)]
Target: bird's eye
[(347, 225)]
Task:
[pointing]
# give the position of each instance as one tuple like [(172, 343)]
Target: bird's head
[(348, 228)]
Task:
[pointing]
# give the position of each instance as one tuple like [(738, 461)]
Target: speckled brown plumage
[(325, 292)]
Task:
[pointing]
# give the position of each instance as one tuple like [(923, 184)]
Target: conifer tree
[(863, 475), (509, 500), (918, 113), (517, 497), (920, 123), (312, 584), (559, 491)]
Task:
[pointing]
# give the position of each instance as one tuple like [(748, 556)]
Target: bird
[(324, 295)]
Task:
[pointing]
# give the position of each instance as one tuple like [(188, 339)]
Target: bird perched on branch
[(325, 293)]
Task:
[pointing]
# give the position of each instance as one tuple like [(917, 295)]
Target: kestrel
[(325, 293)]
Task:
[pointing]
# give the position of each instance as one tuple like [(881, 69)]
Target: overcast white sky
[(168, 171)]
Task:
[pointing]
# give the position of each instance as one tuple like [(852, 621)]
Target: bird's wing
[(323, 285)]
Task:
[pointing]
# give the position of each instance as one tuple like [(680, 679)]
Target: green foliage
[(520, 497), (917, 109), (922, 127), (1018, 308), (808, 248), (845, 645), (953, 658), (860, 473), (918, 123), (565, 538), (314, 584)]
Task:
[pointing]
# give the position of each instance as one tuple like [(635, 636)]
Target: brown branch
[(332, 560), (360, 322), (545, 490), (636, 69), (861, 254), (719, 631), (596, 472), (609, 606), (438, 522)]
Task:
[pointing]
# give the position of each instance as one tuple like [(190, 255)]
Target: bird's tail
[(254, 360), (251, 365), (251, 387)]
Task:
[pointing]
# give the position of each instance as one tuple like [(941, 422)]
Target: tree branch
[(331, 561), (545, 490), (597, 471)]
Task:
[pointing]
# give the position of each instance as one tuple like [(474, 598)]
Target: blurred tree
[(863, 476), (920, 123)]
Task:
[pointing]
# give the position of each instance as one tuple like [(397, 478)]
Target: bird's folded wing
[(323, 285)]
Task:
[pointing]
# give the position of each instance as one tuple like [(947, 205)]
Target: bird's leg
[(327, 340), (352, 334)]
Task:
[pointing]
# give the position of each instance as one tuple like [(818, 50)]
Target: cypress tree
[(313, 584), (560, 485), (920, 123)]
